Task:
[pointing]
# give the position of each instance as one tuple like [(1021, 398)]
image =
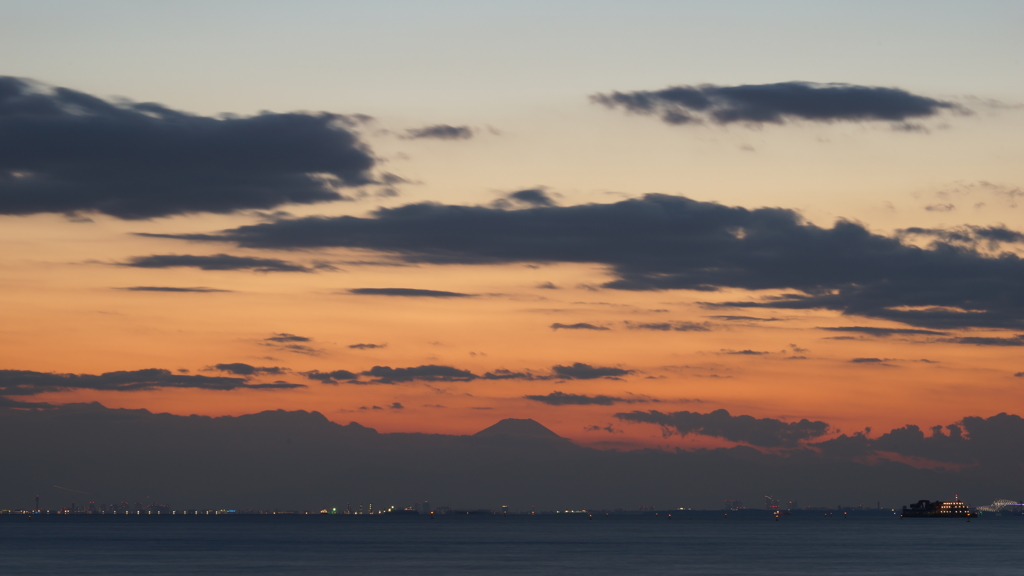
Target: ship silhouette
[(938, 509)]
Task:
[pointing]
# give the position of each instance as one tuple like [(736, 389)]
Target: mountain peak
[(518, 428)]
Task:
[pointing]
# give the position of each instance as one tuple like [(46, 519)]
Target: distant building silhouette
[(734, 505)]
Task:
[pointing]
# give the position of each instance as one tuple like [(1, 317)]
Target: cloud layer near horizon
[(218, 460), (29, 383)]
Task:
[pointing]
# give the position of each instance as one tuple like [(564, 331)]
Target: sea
[(565, 544)]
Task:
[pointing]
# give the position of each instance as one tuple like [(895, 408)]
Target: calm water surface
[(698, 544)]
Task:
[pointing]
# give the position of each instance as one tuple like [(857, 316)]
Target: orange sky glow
[(80, 298)]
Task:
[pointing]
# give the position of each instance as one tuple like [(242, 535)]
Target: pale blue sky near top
[(527, 68), (438, 58)]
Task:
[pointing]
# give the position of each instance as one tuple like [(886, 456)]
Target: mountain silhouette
[(303, 461), (518, 428)]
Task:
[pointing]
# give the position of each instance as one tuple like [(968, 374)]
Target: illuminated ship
[(938, 509)]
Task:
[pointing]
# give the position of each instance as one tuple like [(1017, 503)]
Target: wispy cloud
[(440, 132), (408, 292), (215, 262)]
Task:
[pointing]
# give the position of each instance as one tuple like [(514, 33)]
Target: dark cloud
[(730, 318), (577, 326), (285, 337), (776, 103), (669, 242), (427, 373), (580, 371), (1017, 340), (873, 331), (66, 151), (214, 262), (407, 292), (18, 404), (440, 132), (291, 343), (367, 346), (297, 348), (869, 360), (389, 179), (277, 384), (530, 198), (990, 237), (743, 352), (562, 399), (596, 428), (670, 326), (764, 432), (396, 406), (533, 197), (27, 383), (974, 441), (247, 370), (660, 326), (547, 286), (435, 373), (332, 377), (999, 234), (504, 374), (171, 289)]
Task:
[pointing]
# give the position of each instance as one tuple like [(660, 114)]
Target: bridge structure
[(998, 506)]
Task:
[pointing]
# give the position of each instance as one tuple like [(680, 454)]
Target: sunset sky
[(429, 216)]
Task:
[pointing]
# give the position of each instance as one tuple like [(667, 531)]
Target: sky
[(430, 216)]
